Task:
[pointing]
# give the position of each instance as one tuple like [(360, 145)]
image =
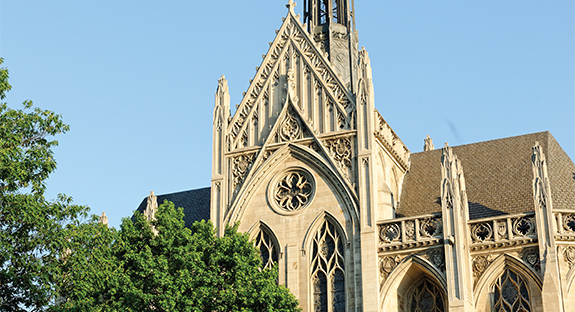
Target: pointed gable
[(326, 102)]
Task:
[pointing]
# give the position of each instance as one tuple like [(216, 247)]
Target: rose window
[(294, 191)]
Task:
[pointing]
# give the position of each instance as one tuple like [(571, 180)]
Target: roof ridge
[(499, 139)]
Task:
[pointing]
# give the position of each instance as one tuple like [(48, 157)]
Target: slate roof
[(196, 204), (498, 177)]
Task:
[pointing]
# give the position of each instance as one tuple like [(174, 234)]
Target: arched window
[(328, 269), (425, 296), (511, 293), (267, 245)]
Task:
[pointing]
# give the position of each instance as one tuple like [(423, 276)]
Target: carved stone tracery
[(290, 129), (340, 149), (437, 258), (569, 223), (481, 232), (241, 166), (480, 264), (523, 226), (511, 293), (569, 254), (294, 190), (531, 257)]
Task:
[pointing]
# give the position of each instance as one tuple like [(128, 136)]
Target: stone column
[(455, 214), (551, 292), (219, 167), (367, 190)]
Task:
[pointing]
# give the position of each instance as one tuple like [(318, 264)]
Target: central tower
[(332, 25), (306, 164)]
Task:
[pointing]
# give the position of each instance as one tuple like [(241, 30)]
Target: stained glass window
[(511, 293), (426, 297), (328, 269)]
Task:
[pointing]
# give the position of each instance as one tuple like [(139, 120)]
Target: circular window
[(291, 191)]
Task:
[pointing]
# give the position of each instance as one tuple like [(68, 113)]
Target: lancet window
[(511, 293), (328, 269), (426, 297), (268, 247)]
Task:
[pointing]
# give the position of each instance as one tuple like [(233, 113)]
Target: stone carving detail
[(390, 233), (523, 226), (290, 129), (480, 264), (308, 53), (391, 141), (569, 253), (410, 230), (481, 232), (503, 232), (241, 165), (294, 191), (437, 258), (428, 144), (502, 229), (340, 150), (569, 222), (531, 257), (387, 264), (430, 227), (267, 154), (315, 147), (365, 161)]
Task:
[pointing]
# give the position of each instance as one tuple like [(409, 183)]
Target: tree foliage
[(52, 260), (31, 227), (179, 269)]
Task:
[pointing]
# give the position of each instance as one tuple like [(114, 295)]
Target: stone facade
[(354, 221)]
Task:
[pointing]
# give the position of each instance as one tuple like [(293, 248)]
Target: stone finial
[(453, 188), (541, 190), (151, 207), (103, 219), (291, 5), (428, 144), (222, 85)]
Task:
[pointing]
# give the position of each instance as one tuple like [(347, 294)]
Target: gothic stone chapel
[(354, 220)]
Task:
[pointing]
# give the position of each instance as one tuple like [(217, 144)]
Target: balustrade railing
[(503, 228), (411, 231), (565, 224)]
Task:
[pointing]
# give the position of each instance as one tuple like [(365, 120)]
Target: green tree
[(31, 227), (179, 269)]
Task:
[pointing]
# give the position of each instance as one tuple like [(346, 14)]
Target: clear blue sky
[(136, 79)]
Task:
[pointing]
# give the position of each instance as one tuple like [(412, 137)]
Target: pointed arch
[(409, 271), (497, 269), (310, 158), (326, 243), (267, 242), (425, 295), (315, 225)]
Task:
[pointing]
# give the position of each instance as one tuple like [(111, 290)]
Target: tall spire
[(332, 25)]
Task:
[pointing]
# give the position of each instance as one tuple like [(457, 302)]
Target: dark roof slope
[(498, 177), (196, 204)]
